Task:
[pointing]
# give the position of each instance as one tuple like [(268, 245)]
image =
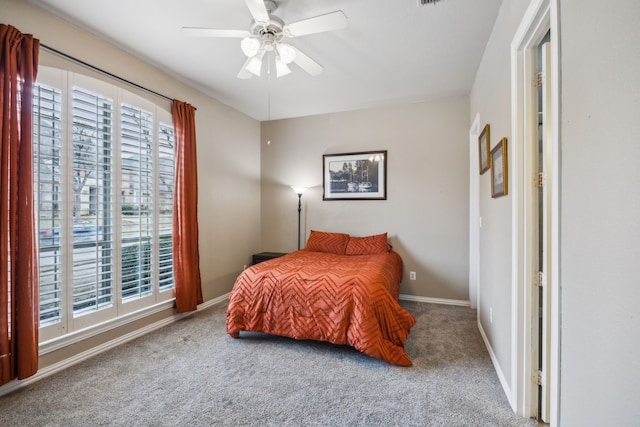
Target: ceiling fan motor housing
[(270, 34)]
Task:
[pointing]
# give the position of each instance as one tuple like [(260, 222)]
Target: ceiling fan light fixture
[(255, 66), (281, 68), (250, 46), (286, 52), (266, 33)]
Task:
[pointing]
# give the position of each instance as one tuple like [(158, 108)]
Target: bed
[(339, 289)]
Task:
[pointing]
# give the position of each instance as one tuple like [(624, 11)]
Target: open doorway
[(535, 311)]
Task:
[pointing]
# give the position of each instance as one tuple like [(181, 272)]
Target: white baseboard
[(214, 301), (496, 364), (63, 364), (462, 303)]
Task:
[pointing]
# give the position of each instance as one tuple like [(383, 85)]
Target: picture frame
[(499, 169), (355, 176), (483, 150)]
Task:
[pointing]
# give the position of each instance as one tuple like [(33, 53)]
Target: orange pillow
[(333, 243), (370, 245)]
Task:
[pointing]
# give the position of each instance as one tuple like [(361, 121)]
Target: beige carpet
[(192, 373)]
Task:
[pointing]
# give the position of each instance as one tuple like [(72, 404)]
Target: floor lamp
[(299, 191)]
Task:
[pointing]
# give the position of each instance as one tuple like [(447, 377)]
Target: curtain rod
[(100, 70)]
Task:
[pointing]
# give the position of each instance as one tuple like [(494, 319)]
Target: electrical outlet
[(412, 275), (244, 267), (490, 314)]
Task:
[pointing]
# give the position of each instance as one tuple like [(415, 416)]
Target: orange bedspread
[(342, 299)]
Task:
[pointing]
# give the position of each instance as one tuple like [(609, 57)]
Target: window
[(104, 177)]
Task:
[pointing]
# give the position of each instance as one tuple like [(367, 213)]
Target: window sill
[(75, 337)]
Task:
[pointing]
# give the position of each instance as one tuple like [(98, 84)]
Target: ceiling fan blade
[(306, 63), (329, 22), (213, 32), (258, 11)]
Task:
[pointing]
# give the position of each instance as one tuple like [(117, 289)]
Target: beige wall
[(228, 147), (426, 211), (600, 211)]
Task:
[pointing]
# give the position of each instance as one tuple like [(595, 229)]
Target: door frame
[(474, 217), (540, 17)]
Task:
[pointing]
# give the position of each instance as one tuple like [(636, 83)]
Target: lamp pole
[(299, 210), (299, 191)]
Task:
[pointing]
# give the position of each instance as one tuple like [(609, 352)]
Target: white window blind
[(104, 175), (136, 154), (47, 133), (92, 202), (166, 174)]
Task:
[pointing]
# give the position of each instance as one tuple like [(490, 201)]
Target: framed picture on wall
[(355, 176), (483, 147), (499, 169)]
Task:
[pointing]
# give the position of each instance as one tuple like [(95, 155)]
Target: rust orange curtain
[(186, 255), (18, 249)]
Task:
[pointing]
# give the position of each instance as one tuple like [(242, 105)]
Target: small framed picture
[(483, 147), (499, 169), (355, 176)]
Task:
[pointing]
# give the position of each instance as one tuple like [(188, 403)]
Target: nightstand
[(264, 256)]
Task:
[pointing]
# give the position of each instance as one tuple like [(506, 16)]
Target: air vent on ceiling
[(426, 2)]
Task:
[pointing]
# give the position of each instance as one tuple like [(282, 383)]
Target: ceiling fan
[(266, 35)]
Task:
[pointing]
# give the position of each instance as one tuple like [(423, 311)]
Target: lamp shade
[(298, 189), (281, 68), (255, 66), (287, 52), (250, 46)]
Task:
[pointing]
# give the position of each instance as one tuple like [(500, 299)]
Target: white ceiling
[(392, 51)]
